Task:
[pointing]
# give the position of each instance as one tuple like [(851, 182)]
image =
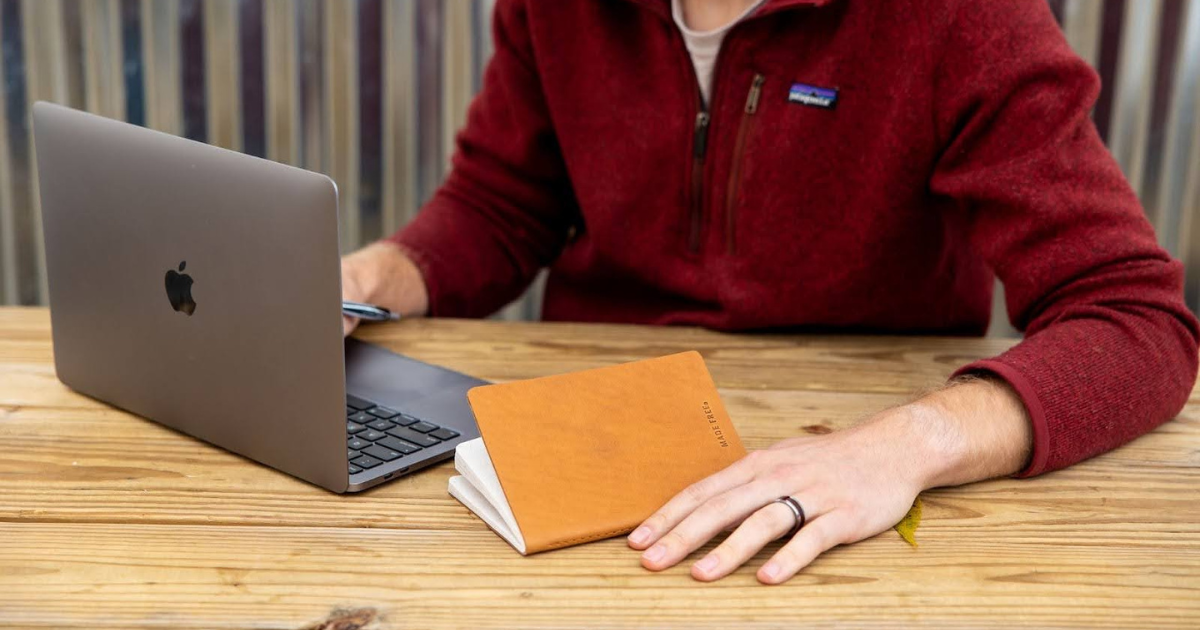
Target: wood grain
[(111, 521)]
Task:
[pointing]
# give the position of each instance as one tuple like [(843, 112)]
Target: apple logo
[(179, 290)]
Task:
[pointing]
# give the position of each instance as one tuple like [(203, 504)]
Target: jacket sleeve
[(505, 208), (1110, 349)]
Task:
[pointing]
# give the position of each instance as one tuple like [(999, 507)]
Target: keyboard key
[(366, 461), (358, 403), (405, 420), (383, 412), (350, 411), (371, 435), (423, 427), (357, 444), (444, 434), (354, 470), (420, 439), (351, 453), (396, 444), (386, 454), (381, 425), (354, 427), (361, 417)]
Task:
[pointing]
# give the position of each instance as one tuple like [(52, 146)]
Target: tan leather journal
[(578, 457)]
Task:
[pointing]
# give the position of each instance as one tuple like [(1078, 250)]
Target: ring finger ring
[(797, 511)]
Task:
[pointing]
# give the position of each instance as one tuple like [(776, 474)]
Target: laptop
[(201, 288)]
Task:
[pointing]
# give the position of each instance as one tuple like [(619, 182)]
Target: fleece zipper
[(703, 120), (735, 171), (699, 148)]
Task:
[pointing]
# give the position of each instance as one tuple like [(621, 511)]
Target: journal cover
[(590, 454)]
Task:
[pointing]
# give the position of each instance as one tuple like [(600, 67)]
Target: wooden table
[(111, 521)]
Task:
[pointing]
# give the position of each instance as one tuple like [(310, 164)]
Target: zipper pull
[(755, 92), (700, 137)]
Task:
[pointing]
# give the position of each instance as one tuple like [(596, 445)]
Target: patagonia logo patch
[(813, 96)]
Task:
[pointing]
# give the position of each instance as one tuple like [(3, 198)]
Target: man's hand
[(383, 275), (852, 484)]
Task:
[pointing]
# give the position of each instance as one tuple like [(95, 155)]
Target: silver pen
[(369, 312)]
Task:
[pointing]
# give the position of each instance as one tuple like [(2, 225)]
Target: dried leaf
[(907, 527)]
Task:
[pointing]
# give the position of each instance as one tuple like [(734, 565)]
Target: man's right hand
[(383, 275)]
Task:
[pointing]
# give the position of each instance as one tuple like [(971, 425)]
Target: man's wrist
[(394, 280), (930, 442), (973, 429)]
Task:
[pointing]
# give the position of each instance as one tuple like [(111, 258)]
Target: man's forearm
[(971, 430)]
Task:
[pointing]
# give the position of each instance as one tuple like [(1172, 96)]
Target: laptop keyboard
[(376, 434)]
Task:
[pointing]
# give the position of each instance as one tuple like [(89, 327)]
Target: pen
[(368, 312)]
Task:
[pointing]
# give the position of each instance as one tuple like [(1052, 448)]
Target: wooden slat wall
[(1181, 179), (341, 112), (372, 92), (282, 81), (160, 60), (399, 114), (222, 76), (1135, 88), (46, 78), (104, 78), (9, 277), (1155, 113)]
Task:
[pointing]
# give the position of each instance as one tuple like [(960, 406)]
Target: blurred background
[(371, 92)]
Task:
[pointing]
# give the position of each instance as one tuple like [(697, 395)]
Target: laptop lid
[(197, 287)]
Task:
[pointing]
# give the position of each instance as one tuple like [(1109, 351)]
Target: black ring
[(797, 511)]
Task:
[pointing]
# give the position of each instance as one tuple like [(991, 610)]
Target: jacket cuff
[(1033, 405)]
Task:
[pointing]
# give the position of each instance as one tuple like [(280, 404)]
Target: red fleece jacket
[(957, 146)]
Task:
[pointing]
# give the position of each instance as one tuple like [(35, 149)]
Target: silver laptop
[(201, 288)]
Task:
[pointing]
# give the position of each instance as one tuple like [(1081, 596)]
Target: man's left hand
[(852, 484)]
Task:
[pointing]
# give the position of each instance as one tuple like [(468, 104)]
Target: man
[(843, 164)]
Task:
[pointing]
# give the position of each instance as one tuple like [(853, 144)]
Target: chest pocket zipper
[(733, 190), (699, 148)]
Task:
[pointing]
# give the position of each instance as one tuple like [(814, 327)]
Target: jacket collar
[(663, 7)]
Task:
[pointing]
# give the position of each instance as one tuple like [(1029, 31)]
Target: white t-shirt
[(703, 46)]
